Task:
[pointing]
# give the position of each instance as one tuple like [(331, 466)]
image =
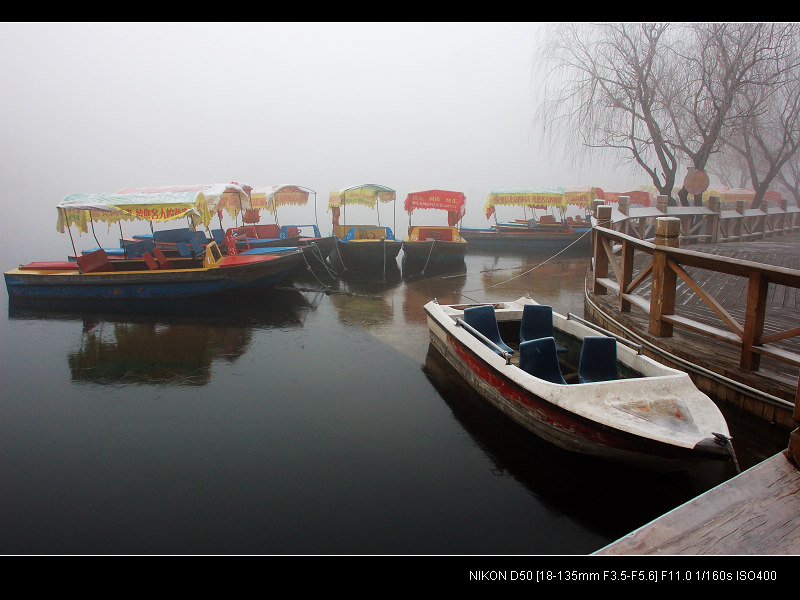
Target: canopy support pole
[(72, 241), (121, 242), (91, 222)]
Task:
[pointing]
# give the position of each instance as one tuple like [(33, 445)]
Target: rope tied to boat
[(588, 231), (725, 440), (429, 257), (310, 269)]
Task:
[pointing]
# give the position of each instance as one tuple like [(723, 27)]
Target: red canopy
[(452, 202), (438, 199)]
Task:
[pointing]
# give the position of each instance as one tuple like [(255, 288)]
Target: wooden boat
[(596, 396), (152, 276), (93, 276), (362, 247), (435, 245), (545, 232)]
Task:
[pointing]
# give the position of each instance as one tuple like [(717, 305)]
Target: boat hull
[(365, 254), (555, 240), (232, 272), (434, 252), (549, 417), (320, 247)]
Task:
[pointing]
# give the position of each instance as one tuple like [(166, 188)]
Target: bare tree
[(769, 136), (732, 71), (658, 94), (604, 87), (789, 177)]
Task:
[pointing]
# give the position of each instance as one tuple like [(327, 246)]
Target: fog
[(99, 107)]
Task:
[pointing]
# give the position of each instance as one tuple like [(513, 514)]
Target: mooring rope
[(311, 270), (427, 259), (564, 249), (588, 231), (728, 443)]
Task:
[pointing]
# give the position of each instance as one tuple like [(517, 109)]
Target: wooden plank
[(752, 513)]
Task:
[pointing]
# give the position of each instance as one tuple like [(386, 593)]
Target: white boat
[(612, 403)]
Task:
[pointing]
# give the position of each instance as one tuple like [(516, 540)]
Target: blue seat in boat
[(108, 251), (539, 357), (598, 360), (184, 249), (170, 236), (483, 320), (218, 235), (137, 249), (537, 322), (197, 249)]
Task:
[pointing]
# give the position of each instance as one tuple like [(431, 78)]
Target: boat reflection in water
[(166, 347), (413, 270)]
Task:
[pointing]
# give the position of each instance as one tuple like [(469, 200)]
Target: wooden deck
[(758, 511), (755, 513)]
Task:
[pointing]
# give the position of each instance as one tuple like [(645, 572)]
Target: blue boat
[(362, 247), (545, 232), (152, 275), (528, 237)]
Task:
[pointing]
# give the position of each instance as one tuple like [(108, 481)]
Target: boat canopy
[(557, 197), (368, 194), (437, 199), (198, 202), (272, 197), (452, 202), (732, 195)]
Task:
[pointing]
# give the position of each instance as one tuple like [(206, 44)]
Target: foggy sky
[(99, 107)]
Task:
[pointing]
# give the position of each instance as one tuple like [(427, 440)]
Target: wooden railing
[(613, 267), (712, 223)]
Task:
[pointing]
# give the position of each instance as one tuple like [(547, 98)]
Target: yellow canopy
[(199, 202), (365, 195)]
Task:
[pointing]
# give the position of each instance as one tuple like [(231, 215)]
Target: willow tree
[(603, 89), (659, 95), (736, 80)]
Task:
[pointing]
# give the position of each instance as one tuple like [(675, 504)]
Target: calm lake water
[(301, 422)]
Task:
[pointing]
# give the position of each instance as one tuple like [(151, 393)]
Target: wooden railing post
[(626, 274), (761, 223), (712, 223), (738, 225), (754, 320), (794, 438), (623, 205), (603, 217), (783, 221), (662, 298)]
